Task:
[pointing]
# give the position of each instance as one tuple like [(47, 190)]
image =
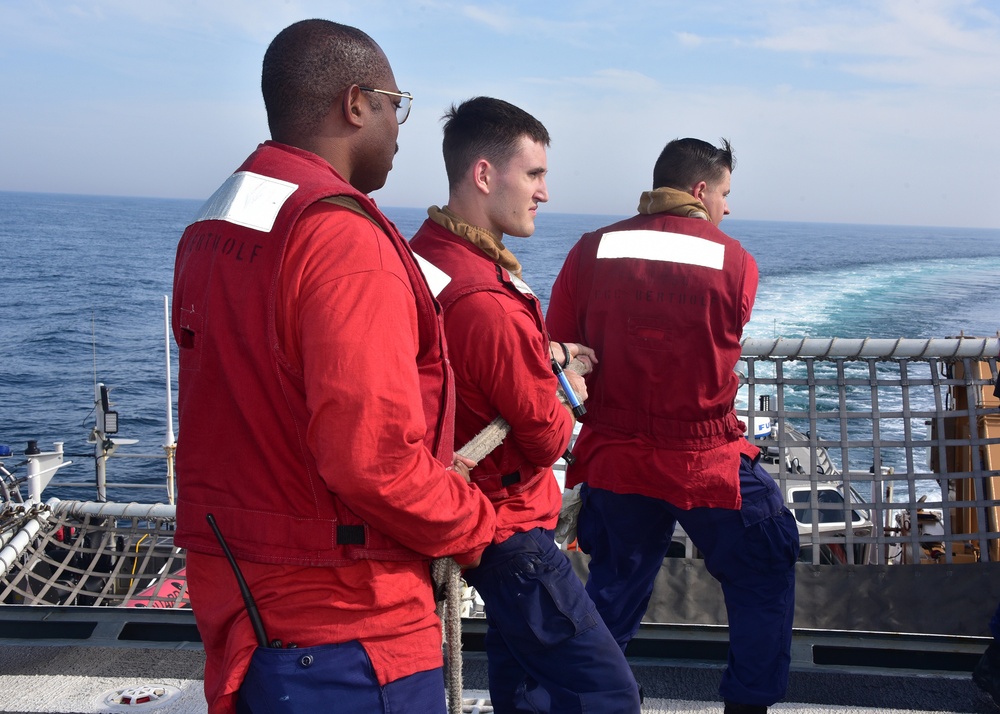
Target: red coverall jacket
[(500, 352), (662, 299), (322, 444)]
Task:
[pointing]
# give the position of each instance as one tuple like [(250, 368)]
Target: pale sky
[(844, 111)]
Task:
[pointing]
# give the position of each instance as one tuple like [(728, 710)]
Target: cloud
[(618, 81), (534, 23), (495, 21), (689, 39), (937, 44)]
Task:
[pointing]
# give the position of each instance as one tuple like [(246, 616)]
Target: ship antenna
[(170, 442), (93, 344), (166, 344)]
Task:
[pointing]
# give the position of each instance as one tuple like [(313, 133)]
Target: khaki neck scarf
[(672, 201), (487, 241)]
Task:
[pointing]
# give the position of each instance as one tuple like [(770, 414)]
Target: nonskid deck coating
[(77, 680)]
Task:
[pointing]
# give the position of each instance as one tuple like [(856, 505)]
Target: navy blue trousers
[(751, 552), (547, 648), (330, 678)]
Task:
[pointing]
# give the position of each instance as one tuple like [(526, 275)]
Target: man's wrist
[(566, 358)]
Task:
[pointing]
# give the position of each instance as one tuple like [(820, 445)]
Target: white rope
[(446, 572)]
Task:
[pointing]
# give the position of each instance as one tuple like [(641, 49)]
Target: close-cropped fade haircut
[(486, 128), (307, 67), (685, 162)]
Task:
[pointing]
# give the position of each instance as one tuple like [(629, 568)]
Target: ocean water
[(84, 278)]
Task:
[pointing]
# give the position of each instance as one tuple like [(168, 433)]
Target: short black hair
[(307, 67), (484, 127), (685, 162)]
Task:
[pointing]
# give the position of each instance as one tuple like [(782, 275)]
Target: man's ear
[(351, 106), (482, 175), (698, 190)]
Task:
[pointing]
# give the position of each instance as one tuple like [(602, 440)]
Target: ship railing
[(41, 467), (94, 554), (908, 431)]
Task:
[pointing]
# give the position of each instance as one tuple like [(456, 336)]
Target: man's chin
[(524, 231), (373, 186)]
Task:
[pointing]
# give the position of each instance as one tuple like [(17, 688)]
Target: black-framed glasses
[(405, 99)]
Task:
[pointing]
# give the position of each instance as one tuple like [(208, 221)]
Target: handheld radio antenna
[(248, 601)]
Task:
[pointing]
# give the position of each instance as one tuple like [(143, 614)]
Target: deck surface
[(78, 680)]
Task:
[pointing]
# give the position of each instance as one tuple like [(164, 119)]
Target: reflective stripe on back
[(662, 246)]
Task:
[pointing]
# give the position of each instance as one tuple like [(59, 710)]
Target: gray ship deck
[(74, 660), (79, 680)]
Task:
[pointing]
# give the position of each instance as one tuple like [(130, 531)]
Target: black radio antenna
[(248, 601)]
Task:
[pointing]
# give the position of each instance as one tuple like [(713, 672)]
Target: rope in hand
[(447, 574)]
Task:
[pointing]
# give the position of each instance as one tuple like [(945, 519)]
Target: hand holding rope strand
[(564, 353), (463, 467)]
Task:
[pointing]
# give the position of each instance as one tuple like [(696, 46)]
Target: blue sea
[(84, 280)]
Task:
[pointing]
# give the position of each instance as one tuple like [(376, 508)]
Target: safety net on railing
[(82, 553), (888, 451)]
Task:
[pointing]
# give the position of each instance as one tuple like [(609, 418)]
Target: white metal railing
[(908, 430)]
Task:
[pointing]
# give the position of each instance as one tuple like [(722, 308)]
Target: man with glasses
[(316, 407), (663, 297), (547, 649)]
